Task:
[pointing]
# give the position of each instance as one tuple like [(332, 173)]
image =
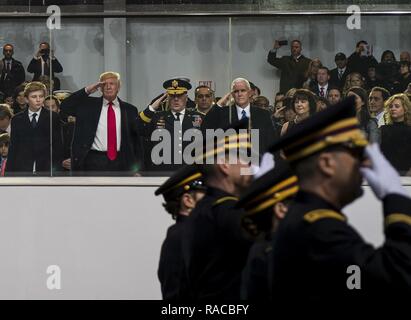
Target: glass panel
[(159, 49)]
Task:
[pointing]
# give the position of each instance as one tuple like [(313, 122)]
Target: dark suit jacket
[(28, 145), (192, 119), (260, 119), (16, 76), (334, 81), (35, 67), (87, 112), (360, 64), (292, 72)]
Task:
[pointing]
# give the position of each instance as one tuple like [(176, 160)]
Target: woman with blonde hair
[(354, 79), (396, 134), (311, 73)]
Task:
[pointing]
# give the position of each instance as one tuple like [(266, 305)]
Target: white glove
[(267, 163), (382, 177)]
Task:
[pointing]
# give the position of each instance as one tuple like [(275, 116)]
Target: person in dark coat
[(13, 73), (41, 63), (266, 203), (259, 119), (215, 249), (107, 135), (293, 67), (317, 256), (181, 192), (30, 139), (361, 59)]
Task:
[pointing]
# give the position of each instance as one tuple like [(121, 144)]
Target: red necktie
[(111, 133), (3, 167)]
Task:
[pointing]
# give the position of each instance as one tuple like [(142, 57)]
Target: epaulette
[(319, 214), (224, 199), (144, 117)]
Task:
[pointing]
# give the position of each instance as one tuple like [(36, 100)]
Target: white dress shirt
[(100, 140), (325, 90), (182, 113), (240, 111)]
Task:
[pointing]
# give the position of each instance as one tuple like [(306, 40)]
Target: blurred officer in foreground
[(215, 248), (181, 193), (266, 203), (318, 256)]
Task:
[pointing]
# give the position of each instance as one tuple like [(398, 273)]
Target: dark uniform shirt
[(257, 275), (314, 246), (191, 121), (215, 249), (171, 268)]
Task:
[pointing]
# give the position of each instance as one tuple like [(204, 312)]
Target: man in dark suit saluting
[(221, 116), (106, 138)]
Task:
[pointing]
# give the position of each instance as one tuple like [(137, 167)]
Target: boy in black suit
[(29, 152)]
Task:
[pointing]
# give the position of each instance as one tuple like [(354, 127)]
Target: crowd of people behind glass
[(382, 92)]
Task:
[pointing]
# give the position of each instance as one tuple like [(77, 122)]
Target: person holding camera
[(41, 63), (293, 67), (361, 58)]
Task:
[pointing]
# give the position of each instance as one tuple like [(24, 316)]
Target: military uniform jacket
[(191, 120), (314, 245), (171, 267), (215, 250)]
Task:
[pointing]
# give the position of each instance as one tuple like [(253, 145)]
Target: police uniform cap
[(186, 179), (335, 125), (236, 138), (176, 86), (275, 186), (62, 94)]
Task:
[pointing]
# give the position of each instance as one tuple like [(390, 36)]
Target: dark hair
[(304, 94), (334, 88), (384, 92), (325, 68), (387, 52), (361, 42), (364, 115), (279, 93), (173, 207), (8, 45), (295, 40)]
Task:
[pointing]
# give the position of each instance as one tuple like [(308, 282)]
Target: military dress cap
[(335, 125), (276, 185), (4, 138), (62, 94), (176, 86), (186, 179), (234, 139)]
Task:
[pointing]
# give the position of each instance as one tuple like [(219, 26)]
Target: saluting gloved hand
[(381, 175)]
